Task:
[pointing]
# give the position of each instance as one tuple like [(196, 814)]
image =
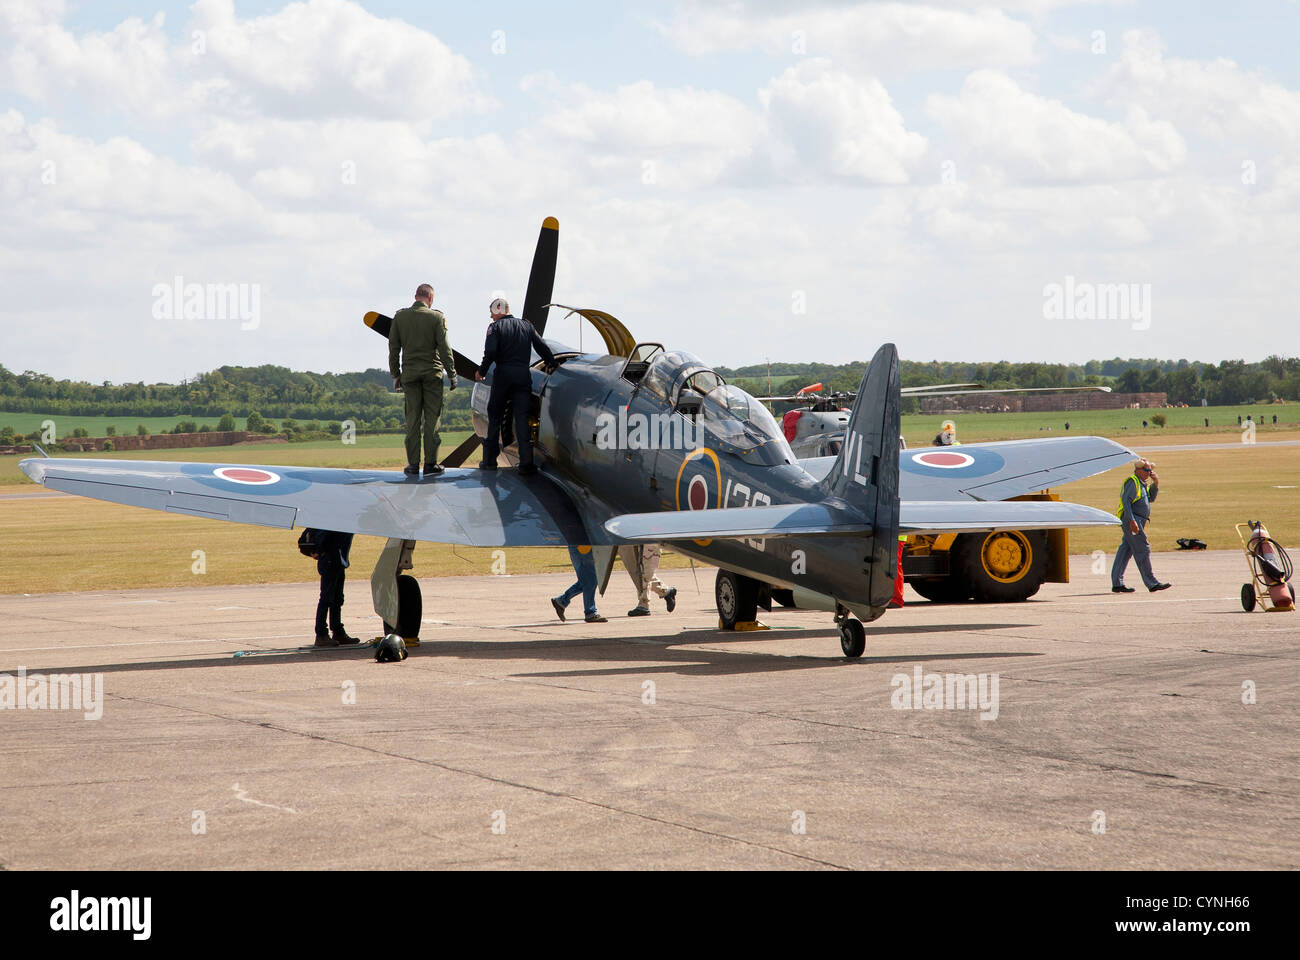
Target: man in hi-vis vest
[(1135, 498)]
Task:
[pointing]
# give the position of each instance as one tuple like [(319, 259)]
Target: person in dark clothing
[(331, 564), (509, 345)]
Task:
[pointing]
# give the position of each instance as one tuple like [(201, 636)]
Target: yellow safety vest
[(1140, 488)]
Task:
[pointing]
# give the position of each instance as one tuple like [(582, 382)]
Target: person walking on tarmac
[(332, 563), (509, 345), (418, 355), (584, 565), (641, 560), (1135, 499)]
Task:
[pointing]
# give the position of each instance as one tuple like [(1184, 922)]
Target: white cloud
[(640, 134), (877, 37), (834, 123), (1029, 137), (321, 58), (1215, 99)]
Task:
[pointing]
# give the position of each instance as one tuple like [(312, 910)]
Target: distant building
[(1040, 402)]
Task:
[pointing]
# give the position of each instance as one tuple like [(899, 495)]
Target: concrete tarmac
[(511, 740)]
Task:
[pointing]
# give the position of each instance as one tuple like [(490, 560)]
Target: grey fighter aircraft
[(646, 444)]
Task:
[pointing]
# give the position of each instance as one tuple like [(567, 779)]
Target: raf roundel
[(253, 476), (697, 493), (943, 459)]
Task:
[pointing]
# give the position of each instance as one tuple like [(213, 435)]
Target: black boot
[(411, 470), (433, 469)]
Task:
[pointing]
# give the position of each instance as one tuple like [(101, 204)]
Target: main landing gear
[(739, 598), (397, 596)]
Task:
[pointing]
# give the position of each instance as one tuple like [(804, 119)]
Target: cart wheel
[(1248, 597)]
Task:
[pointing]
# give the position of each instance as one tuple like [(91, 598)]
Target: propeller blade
[(457, 456), (466, 368), (541, 279), (943, 386), (378, 323)]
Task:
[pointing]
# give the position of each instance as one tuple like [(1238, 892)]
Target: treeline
[(1185, 381), (278, 393), (269, 391)]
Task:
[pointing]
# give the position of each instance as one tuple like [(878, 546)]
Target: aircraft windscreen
[(735, 416)]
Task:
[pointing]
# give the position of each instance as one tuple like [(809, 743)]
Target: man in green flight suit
[(418, 354)]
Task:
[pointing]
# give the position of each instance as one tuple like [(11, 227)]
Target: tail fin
[(865, 475)]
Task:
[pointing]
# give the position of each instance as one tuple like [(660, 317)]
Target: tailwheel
[(853, 638)]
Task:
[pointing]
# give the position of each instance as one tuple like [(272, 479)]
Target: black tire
[(853, 638), (1248, 597), (1007, 566), (410, 607), (736, 598), (941, 589)]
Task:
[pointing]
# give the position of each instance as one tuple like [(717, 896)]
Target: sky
[(1040, 180)]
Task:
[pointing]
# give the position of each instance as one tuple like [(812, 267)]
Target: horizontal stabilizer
[(955, 516), (995, 471), (776, 520)]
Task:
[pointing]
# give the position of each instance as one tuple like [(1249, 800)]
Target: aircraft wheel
[(951, 589), (1248, 597), (736, 598), (853, 638), (410, 608), (1005, 566)]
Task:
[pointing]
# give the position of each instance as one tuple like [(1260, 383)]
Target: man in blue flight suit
[(510, 342), (1135, 498), (331, 564)]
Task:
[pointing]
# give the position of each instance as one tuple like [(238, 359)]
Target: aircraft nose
[(35, 469)]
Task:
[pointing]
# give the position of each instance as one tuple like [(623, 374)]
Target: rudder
[(865, 475)]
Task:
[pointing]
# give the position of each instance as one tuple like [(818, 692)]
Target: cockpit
[(682, 380)]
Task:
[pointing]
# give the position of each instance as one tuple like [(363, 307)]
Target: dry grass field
[(54, 543)]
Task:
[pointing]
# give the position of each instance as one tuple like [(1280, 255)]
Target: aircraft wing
[(775, 520), (996, 471), (955, 516), (462, 506)]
